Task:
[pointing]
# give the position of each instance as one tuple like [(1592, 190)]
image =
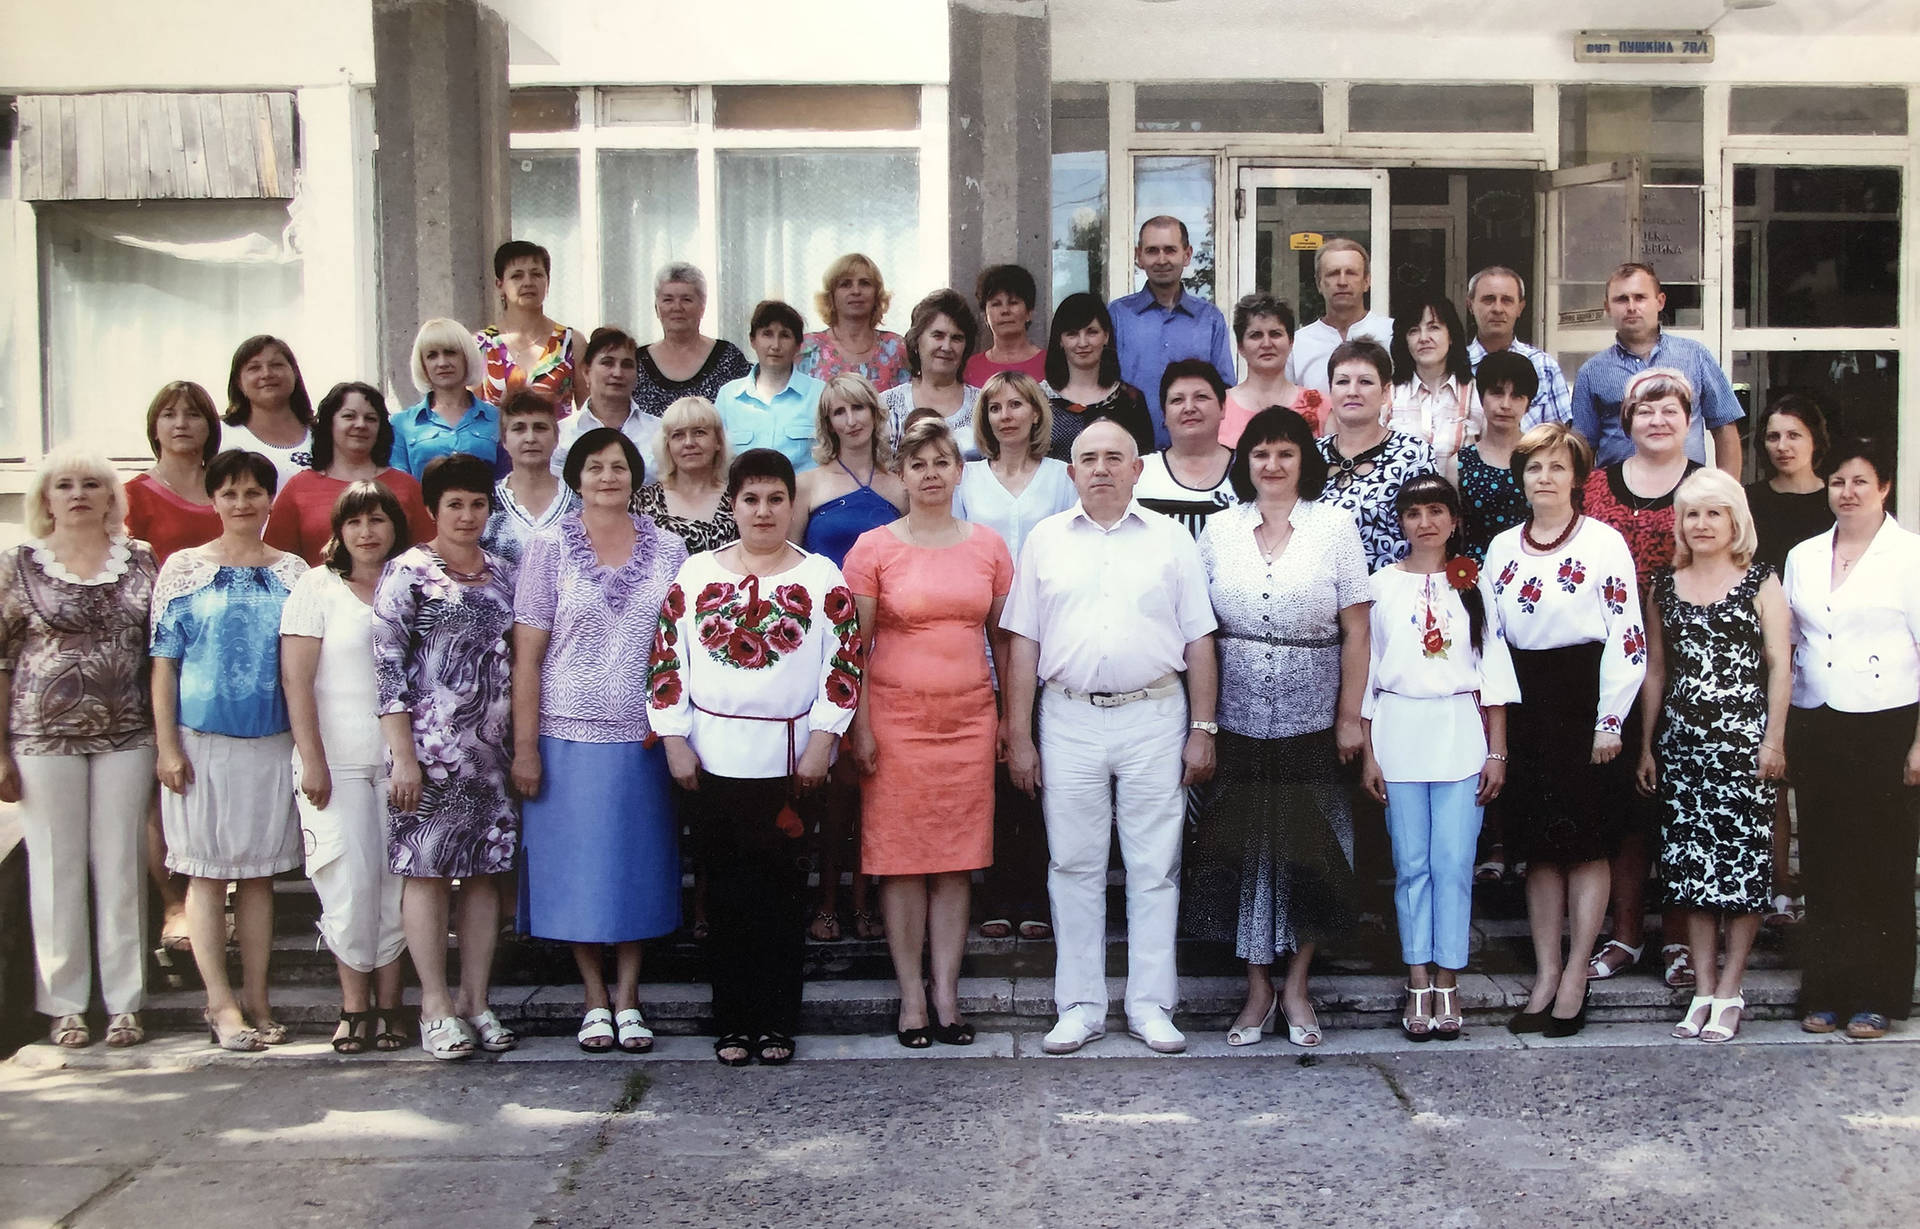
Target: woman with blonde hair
[(928, 588), (853, 299), (76, 739), (1719, 676), (449, 418), (690, 498), (850, 492)]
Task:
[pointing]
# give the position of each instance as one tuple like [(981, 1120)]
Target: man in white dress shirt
[(1109, 607), (1344, 273)]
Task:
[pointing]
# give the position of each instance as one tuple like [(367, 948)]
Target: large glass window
[(1440, 108), (1816, 247), (1228, 106), (649, 215), (137, 295), (1079, 174), (1182, 187), (786, 215), (545, 196), (1796, 110), (1663, 124)]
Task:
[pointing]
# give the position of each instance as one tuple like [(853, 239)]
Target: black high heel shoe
[(1557, 1027)]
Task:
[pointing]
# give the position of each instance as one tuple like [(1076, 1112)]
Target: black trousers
[(1015, 886), (756, 938), (1858, 835)]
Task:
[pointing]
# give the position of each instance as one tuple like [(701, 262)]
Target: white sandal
[(1720, 1029), (445, 1038), (1690, 1025), (1250, 1034), (1599, 970), (596, 1031), (495, 1037), (635, 1036)]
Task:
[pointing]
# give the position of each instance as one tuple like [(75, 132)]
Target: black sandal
[(392, 1034), (358, 1038), (915, 1038), (734, 1041), (960, 1034), (775, 1041)]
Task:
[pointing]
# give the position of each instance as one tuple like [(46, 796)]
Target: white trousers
[(346, 854), (86, 815), (1103, 768)]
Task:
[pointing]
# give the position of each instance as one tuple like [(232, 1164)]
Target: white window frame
[(590, 137)]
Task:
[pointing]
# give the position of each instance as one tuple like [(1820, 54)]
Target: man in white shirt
[(1344, 274), (1109, 607), (1497, 297)]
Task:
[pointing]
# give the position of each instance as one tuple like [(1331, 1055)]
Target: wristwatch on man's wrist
[(1209, 727)]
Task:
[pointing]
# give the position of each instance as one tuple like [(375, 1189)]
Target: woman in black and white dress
[(1367, 462)]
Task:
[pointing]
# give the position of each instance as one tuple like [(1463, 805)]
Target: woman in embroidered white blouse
[(1854, 750)]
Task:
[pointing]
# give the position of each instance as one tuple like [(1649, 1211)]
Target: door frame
[(1248, 178)]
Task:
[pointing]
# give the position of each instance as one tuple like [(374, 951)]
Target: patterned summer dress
[(441, 654), (1367, 485), (551, 374), (651, 501), (1718, 821)]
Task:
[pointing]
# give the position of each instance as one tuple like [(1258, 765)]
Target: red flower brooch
[(1462, 572)]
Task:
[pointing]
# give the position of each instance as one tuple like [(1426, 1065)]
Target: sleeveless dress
[(1718, 821), (837, 524)]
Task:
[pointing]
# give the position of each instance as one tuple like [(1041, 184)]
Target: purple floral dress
[(441, 653)]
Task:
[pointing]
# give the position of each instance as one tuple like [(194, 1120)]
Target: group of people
[(960, 605)]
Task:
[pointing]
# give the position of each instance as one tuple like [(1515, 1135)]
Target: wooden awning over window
[(143, 147)]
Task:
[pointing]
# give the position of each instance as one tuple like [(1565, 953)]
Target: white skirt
[(236, 819)]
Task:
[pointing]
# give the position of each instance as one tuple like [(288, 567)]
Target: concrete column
[(441, 118), (999, 142)]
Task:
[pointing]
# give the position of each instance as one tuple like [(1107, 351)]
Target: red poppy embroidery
[(746, 649), (839, 606), (1506, 576), (675, 606), (843, 689), (1610, 725), (1573, 574), (785, 635), (1530, 594), (1614, 590), (713, 597), (1634, 642), (664, 689), (794, 599)]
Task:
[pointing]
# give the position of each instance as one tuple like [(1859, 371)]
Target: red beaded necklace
[(1526, 533)]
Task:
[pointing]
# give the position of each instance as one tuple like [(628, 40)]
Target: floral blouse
[(651, 501), (1366, 486), (593, 684), (222, 623), (1582, 593), (746, 669), (77, 650), (820, 358), (1646, 524), (1279, 632), (551, 375)]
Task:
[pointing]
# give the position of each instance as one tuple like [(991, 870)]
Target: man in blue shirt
[(1163, 323), (772, 406), (1634, 303)]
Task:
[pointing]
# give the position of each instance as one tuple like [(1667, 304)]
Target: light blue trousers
[(1435, 826)]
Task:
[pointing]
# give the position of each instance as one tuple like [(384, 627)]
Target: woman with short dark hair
[(940, 339), (754, 674), (1083, 377), (525, 349), (1007, 296), (1272, 869), (268, 410), (1263, 328), (1854, 749), (600, 864), (1366, 459), (353, 441), (442, 663), (225, 752), (326, 665)]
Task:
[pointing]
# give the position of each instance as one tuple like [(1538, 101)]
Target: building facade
[(1764, 170)]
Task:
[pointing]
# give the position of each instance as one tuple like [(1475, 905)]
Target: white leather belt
[(1165, 685)]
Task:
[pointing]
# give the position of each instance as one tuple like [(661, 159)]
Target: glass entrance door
[(1285, 214)]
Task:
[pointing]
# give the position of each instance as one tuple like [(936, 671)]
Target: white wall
[(80, 45)]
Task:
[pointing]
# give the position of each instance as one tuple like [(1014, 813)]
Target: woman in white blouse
[(1565, 595), (1013, 488), (1433, 391), (755, 674), (1853, 748), (1272, 870), (326, 662), (1437, 688)]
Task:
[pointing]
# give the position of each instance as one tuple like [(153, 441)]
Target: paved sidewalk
[(1620, 1126)]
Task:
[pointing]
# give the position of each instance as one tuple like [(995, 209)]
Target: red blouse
[(302, 519), (1646, 524), (166, 521)]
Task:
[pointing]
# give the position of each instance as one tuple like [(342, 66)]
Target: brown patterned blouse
[(77, 650)]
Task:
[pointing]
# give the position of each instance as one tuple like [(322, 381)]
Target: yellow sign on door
[(1306, 241)]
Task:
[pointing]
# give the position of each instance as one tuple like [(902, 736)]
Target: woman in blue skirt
[(601, 863)]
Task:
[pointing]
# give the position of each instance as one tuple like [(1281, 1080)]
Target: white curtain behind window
[(544, 192), (649, 215), (138, 295), (785, 216)]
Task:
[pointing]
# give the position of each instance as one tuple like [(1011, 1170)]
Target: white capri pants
[(346, 854), (87, 814)]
